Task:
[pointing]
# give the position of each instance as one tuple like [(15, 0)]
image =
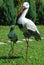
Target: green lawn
[(35, 52)]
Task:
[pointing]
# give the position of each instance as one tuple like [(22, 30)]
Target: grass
[(35, 52)]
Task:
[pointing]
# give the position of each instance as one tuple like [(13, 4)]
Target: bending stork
[(26, 25)]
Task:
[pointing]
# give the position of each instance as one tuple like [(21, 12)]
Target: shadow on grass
[(11, 57)]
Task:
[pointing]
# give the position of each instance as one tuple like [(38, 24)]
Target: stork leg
[(27, 41), (11, 50)]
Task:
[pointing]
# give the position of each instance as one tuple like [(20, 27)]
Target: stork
[(26, 25), (13, 38)]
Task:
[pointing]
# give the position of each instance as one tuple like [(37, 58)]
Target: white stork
[(26, 25)]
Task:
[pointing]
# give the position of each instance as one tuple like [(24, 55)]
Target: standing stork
[(26, 25), (13, 38)]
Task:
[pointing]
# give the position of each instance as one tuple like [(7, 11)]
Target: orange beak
[(21, 10)]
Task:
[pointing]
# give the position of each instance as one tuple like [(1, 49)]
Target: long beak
[(21, 10)]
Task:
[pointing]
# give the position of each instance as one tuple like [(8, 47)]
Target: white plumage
[(26, 24)]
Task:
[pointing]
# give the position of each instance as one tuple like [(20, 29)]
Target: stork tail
[(37, 36)]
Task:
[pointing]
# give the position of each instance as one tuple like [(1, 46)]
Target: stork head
[(24, 6)]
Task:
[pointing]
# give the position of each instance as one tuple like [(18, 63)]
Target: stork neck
[(24, 13), (11, 30)]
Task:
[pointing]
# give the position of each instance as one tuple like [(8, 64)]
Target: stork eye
[(26, 4)]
